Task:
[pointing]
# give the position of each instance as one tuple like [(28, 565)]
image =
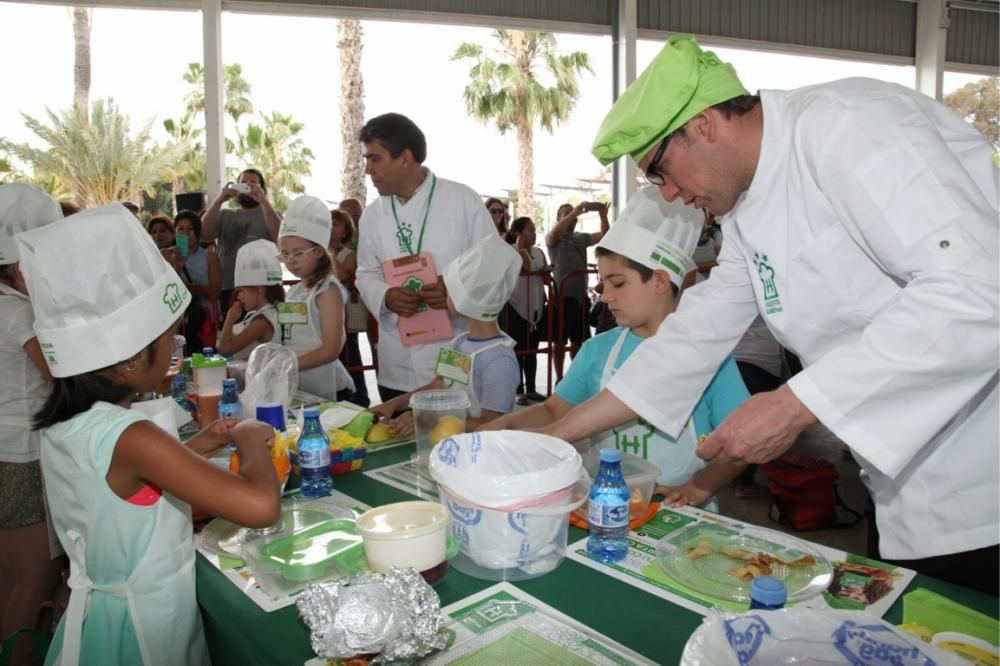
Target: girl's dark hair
[(191, 217), (7, 273), (274, 293), (516, 227), (74, 395), (324, 267), (337, 214)]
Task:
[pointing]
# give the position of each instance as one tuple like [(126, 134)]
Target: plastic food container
[(405, 534), (305, 555), (436, 415), (509, 495), (640, 475)]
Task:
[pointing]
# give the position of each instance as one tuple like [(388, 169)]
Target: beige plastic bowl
[(405, 534)]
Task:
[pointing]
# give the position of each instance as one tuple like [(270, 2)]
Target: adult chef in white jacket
[(415, 212), (861, 223)]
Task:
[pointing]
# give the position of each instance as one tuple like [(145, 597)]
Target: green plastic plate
[(307, 554)]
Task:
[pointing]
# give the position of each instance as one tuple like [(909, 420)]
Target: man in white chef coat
[(416, 212), (861, 223)]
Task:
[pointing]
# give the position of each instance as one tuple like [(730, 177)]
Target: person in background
[(527, 307), (498, 213), (28, 572), (69, 207), (416, 212), (231, 228), (319, 340), (345, 266), (161, 230), (202, 275), (353, 207), (568, 252), (131, 207), (641, 291), (479, 282), (252, 319), (861, 223), (119, 487)]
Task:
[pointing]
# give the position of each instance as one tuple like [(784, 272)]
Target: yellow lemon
[(379, 432), (447, 426)]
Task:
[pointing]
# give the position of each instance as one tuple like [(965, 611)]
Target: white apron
[(675, 457), (326, 380), (269, 313), (475, 409)]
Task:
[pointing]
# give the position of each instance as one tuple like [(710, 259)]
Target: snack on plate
[(737, 554), (750, 571), (703, 548)]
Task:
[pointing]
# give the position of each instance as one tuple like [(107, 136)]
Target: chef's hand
[(207, 442), (403, 302), (435, 295), (759, 430)]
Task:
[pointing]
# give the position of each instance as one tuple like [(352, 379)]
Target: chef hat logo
[(173, 297)]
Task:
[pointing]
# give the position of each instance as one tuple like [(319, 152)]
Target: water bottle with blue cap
[(607, 511), (767, 593)]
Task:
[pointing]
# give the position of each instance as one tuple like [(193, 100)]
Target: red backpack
[(804, 489)]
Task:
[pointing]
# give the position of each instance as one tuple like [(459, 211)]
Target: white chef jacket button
[(944, 244)]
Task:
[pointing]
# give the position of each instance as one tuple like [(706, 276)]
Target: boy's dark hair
[(274, 293), (256, 172), (7, 273), (74, 395), (645, 272), (324, 267), (396, 133), (191, 217)]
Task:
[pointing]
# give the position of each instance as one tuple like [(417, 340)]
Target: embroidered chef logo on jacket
[(404, 234), (772, 302)]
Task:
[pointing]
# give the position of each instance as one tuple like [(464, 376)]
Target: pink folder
[(413, 272)]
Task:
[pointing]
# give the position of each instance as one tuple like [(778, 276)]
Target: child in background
[(252, 319), (642, 262), (479, 282), (119, 488), (312, 316), (28, 573)]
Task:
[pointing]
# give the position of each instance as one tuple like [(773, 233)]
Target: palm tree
[(81, 58), (97, 160), (235, 92), (189, 174), (276, 148), (352, 109), (504, 87)]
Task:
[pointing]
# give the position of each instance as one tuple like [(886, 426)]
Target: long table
[(241, 634)]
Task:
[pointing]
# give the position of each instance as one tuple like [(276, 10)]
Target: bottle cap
[(272, 413), (768, 590), (208, 351), (310, 413), (611, 455), (228, 383)]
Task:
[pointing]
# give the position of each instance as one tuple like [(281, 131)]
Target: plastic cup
[(436, 415)]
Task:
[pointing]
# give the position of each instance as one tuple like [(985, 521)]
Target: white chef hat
[(23, 207), (100, 290), (659, 234), (307, 217), (257, 264), (482, 278)]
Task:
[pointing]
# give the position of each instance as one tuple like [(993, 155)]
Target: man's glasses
[(496, 211), (653, 174), (285, 257)]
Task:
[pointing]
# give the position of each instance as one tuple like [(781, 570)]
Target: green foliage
[(277, 149), (97, 161), (979, 103), (235, 91)]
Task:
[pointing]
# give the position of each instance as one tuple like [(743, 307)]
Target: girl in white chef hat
[(25, 557), (252, 319), (642, 261), (106, 309), (312, 316)]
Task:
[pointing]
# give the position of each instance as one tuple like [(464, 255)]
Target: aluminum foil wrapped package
[(272, 375), (396, 615)]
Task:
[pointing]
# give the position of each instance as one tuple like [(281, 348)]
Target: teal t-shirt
[(582, 381)]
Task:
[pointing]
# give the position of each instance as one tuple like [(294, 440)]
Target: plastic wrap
[(272, 375)]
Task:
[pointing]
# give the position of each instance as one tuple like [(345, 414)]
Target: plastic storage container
[(436, 415), (509, 495), (405, 534), (640, 476)]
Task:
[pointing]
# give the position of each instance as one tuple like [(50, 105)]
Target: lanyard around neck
[(401, 234)]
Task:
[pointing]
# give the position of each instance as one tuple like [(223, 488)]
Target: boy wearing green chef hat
[(861, 223)]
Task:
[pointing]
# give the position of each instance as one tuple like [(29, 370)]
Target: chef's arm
[(601, 412), (929, 221), (370, 280)]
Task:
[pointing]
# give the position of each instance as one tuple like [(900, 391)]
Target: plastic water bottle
[(229, 404), (314, 456), (607, 515), (178, 385), (208, 351), (767, 593)]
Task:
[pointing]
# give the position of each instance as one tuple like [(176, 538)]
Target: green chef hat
[(681, 82)]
